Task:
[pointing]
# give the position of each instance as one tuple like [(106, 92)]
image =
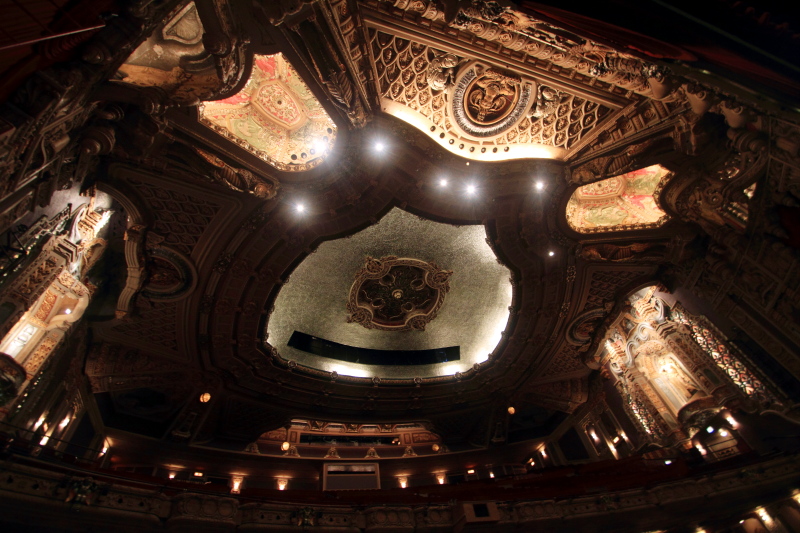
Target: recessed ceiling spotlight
[(300, 208), (539, 185), (442, 182), (379, 146), (471, 189), (320, 147), (551, 253)]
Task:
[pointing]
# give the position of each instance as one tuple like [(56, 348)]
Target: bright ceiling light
[(471, 189), (539, 185), (442, 182), (551, 253), (379, 146), (300, 208)]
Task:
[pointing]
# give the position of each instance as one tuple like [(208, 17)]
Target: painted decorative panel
[(625, 202), (275, 116)]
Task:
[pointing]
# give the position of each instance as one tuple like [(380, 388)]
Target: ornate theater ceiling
[(434, 286), (275, 116)]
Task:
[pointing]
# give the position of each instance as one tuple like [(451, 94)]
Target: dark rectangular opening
[(367, 356), (481, 510)]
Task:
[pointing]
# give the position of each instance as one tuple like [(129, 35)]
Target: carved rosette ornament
[(487, 102), (397, 294)]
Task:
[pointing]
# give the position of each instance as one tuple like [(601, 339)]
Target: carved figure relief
[(487, 102), (397, 294)]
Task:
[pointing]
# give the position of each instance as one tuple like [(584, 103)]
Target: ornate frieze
[(397, 294)]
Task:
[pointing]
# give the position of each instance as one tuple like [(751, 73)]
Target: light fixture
[(762, 513), (435, 448), (198, 474), (300, 208), (551, 253), (39, 422), (236, 484), (320, 147), (282, 482), (45, 439), (205, 397), (172, 475), (511, 410), (471, 189), (491, 475), (543, 451), (615, 440), (104, 450), (440, 479), (64, 422), (379, 146), (668, 462), (471, 471), (285, 446), (710, 429), (723, 433), (442, 182), (532, 462), (403, 482), (594, 435), (67, 311), (539, 185)]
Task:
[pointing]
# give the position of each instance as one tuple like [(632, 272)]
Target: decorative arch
[(629, 201)]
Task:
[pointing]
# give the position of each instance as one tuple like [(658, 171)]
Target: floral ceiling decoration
[(625, 202), (397, 294), (275, 116)]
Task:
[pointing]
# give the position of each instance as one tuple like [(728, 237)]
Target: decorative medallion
[(397, 294), (486, 102)]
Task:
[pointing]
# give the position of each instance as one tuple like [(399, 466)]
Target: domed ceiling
[(428, 286)]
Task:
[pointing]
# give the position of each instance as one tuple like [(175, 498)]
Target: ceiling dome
[(467, 308)]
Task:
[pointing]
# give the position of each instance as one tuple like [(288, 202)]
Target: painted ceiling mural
[(275, 116), (628, 201)]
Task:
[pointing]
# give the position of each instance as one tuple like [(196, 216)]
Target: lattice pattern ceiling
[(409, 73)]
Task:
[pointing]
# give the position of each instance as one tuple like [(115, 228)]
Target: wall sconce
[(172, 475), (198, 474), (236, 484), (440, 478), (285, 446), (471, 471), (403, 482), (511, 410), (205, 397), (282, 482)]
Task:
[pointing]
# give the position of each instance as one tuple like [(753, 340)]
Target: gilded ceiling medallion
[(397, 294), (487, 102)]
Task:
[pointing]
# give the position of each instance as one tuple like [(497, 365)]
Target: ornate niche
[(487, 101), (397, 294)]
